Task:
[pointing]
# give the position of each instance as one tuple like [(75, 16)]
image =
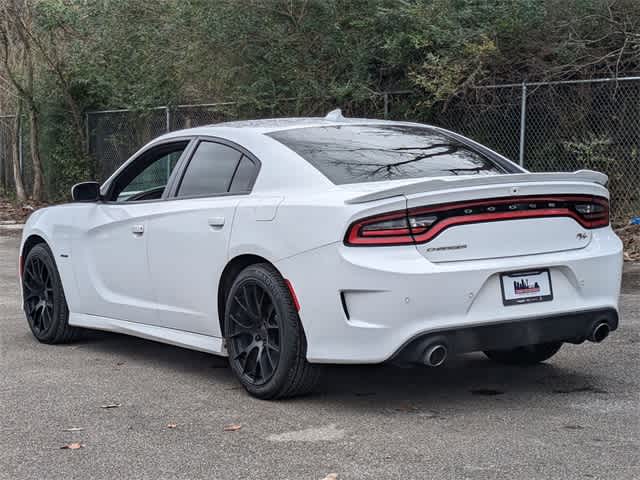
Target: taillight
[(422, 224), (387, 229), (594, 213)]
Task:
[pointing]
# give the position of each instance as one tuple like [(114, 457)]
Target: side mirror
[(86, 192)]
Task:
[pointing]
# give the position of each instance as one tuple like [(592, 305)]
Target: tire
[(44, 302), (526, 355), (265, 340)]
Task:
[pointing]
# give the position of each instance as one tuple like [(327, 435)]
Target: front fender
[(55, 226)]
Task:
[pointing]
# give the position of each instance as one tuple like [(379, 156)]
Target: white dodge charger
[(292, 243)]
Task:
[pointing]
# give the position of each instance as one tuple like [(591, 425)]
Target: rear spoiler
[(445, 183)]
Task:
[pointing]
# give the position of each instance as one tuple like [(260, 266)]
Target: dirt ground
[(134, 409), (11, 212), (630, 236)]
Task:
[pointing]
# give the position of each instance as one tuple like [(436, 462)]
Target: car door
[(110, 251), (188, 242)]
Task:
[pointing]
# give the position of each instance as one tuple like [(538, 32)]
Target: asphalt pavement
[(577, 416)]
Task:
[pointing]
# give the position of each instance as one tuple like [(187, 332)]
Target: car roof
[(253, 135), (275, 156), (270, 125)]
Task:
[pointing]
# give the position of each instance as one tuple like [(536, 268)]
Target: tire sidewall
[(288, 321), (60, 311)]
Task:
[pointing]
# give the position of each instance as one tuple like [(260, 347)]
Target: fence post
[(3, 183), (386, 105), (523, 123), (3, 171), (167, 120), (86, 133)]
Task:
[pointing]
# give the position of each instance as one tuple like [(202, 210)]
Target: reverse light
[(589, 208), (387, 229), (422, 224), (593, 214)]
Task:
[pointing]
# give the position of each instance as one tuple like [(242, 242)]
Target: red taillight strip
[(386, 233), (506, 201), (493, 217), (395, 236), (354, 239), (356, 236)]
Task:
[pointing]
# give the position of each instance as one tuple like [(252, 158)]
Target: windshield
[(369, 153)]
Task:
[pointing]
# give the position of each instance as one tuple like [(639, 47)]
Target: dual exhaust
[(436, 353), (599, 332)]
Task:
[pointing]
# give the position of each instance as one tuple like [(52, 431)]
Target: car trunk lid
[(473, 218)]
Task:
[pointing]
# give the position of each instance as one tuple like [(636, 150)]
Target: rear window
[(369, 153)]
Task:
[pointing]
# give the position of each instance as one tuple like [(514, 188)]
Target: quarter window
[(244, 177), (210, 171)]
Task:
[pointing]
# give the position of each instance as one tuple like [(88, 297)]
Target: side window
[(244, 177), (210, 170), (147, 177)]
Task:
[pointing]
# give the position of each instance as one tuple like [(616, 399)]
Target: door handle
[(137, 229), (216, 222)]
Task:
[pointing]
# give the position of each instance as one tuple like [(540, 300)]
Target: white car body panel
[(185, 273), (163, 284), (397, 297), (179, 338), (507, 239), (412, 187), (105, 241)]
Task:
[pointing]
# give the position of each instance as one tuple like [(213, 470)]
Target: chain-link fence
[(562, 126), (114, 135)]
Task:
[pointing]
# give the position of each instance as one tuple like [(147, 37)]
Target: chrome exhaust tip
[(600, 332), (435, 355)]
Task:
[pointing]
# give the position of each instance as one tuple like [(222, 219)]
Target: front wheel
[(265, 339), (44, 303), (526, 355)]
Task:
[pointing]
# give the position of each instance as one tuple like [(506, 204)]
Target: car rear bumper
[(571, 327), (362, 305)]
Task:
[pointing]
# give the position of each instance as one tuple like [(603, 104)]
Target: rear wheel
[(526, 355), (44, 303), (265, 340)]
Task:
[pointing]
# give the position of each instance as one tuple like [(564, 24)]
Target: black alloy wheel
[(265, 340), (38, 295), (44, 302), (255, 333)]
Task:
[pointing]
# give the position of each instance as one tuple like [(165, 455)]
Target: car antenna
[(334, 115)]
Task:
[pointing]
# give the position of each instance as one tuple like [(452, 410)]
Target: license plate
[(526, 287)]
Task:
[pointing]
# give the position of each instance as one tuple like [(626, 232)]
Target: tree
[(18, 62), (51, 38), (21, 195)]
